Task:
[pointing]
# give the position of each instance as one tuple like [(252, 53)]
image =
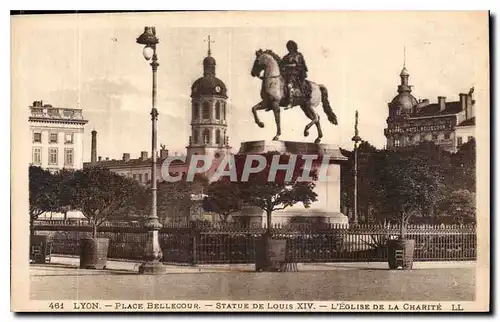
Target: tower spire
[(404, 74), (209, 41), (404, 57)]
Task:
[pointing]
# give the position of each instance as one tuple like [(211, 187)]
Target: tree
[(277, 194), (461, 204), (464, 167), (224, 198), (101, 194), (409, 185), (176, 199), (44, 193)]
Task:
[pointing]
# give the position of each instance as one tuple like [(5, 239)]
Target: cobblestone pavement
[(340, 281)]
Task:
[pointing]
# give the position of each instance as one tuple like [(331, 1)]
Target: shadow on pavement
[(76, 271)]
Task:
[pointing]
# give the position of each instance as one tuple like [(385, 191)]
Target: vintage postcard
[(251, 162)]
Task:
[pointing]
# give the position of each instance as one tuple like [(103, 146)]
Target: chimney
[(93, 148), (469, 111), (163, 153), (100, 158), (126, 157), (442, 103), (107, 158), (463, 104), (144, 155)]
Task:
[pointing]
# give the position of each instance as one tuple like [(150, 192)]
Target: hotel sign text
[(420, 128)]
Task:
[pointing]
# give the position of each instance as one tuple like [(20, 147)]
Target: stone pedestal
[(327, 208)]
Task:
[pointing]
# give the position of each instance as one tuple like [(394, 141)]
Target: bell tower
[(208, 113)]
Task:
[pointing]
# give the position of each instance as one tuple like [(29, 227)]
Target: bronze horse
[(272, 94)]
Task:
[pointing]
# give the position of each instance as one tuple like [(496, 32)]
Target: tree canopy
[(176, 200), (101, 194), (424, 172), (44, 193), (224, 198)]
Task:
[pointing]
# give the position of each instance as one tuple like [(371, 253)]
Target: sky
[(92, 62)]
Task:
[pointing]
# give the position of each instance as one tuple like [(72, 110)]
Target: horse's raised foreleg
[(255, 108), (277, 118)]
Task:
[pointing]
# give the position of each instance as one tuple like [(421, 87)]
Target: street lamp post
[(356, 138), (153, 253)]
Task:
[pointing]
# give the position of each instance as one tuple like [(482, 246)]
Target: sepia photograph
[(250, 161)]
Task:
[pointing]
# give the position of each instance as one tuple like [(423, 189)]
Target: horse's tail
[(326, 105)]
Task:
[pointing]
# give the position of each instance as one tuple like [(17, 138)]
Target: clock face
[(217, 89)]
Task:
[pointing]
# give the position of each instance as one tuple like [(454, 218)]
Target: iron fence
[(234, 243)]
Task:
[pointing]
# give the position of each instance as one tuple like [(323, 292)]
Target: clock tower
[(209, 113)]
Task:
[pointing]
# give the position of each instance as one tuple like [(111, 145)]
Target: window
[(68, 157), (206, 136), (134, 176), (37, 155), (196, 135), (53, 156), (217, 136), (53, 138), (146, 177), (140, 177), (224, 110), (434, 137), (397, 142), (470, 138), (68, 113), (217, 111), (447, 136), (196, 111), (53, 112), (206, 111), (68, 138), (37, 137), (459, 140)]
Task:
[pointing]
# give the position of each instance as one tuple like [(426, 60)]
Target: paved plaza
[(444, 281)]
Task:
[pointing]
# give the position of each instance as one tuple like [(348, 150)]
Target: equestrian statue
[(284, 84)]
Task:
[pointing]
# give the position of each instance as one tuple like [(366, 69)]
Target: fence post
[(193, 232)]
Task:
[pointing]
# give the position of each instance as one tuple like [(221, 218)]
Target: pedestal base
[(152, 268), (326, 209)]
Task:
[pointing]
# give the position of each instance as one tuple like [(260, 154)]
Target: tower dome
[(405, 101), (209, 84)]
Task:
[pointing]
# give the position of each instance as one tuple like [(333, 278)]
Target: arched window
[(206, 111), (224, 110), (196, 135), (217, 136), (196, 111), (217, 111), (206, 136)]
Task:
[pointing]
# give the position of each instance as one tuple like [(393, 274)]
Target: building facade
[(411, 121), (139, 168), (57, 136)]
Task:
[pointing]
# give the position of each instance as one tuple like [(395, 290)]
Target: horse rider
[(294, 70)]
